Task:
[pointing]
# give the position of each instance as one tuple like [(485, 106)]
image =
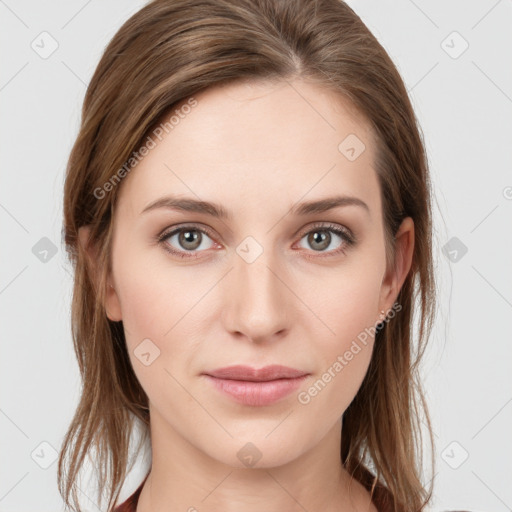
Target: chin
[(257, 451)]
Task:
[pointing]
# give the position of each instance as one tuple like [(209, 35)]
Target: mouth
[(256, 387), (265, 374)]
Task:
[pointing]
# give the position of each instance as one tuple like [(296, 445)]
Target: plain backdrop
[(455, 58)]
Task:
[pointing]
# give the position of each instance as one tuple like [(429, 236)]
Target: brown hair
[(166, 52)]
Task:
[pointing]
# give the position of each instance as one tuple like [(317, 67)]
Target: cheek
[(161, 310), (347, 303), (153, 297), (154, 335), (348, 308)]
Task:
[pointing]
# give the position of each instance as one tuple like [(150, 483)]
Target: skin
[(257, 149)]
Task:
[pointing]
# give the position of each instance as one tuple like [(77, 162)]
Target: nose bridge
[(257, 299)]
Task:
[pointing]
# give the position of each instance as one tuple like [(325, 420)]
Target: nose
[(257, 300)]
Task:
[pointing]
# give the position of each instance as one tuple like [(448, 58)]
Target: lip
[(256, 387), (247, 373)]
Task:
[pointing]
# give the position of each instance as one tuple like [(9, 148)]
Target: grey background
[(463, 100)]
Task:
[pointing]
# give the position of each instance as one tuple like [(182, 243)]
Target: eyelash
[(349, 239)]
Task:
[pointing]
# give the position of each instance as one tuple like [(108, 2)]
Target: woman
[(248, 210)]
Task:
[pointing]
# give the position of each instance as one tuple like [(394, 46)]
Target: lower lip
[(257, 393)]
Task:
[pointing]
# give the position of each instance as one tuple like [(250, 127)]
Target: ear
[(112, 304), (397, 273)]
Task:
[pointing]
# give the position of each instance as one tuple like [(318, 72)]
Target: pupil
[(188, 239), (320, 237)]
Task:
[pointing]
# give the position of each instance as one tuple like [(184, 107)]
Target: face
[(271, 281)]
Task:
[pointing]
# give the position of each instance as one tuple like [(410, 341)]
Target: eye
[(321, 238), (187, 239)]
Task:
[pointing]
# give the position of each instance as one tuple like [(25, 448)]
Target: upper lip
[(272, 372)]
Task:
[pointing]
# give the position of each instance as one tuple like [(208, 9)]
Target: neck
[(184, 477)]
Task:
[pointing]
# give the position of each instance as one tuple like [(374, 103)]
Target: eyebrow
[(218, 211)]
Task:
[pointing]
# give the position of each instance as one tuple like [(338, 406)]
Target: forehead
[(256, 143)]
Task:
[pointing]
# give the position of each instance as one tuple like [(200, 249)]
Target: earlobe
[(397, 273), (112, 305)]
